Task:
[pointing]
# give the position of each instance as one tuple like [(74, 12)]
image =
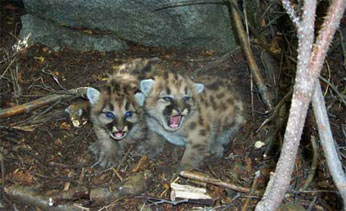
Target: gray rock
[(58, 37), (204, 26)]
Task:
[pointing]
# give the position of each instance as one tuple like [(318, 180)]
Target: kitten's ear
[(146, 85), (198, 87), (140, 97), (93, 95)]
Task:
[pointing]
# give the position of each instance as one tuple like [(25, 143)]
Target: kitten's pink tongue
[(174, 121), (119, 134)]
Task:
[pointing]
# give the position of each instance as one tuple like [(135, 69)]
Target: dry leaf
[(22, 176), (115, 67), (209, 52), (39, 58), (58, 141), (259, 144), (248, 162), (88, 31), (65, 126), (45, 49)]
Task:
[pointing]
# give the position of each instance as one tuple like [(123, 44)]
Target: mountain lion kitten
[(201, 116), (116, 116)]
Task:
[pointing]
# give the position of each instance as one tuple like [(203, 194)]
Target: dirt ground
[(42, 148)]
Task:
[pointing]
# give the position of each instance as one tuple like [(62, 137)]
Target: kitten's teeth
[(175, 112)]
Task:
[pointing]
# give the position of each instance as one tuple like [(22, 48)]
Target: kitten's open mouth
[(174, 122), (118, 135)]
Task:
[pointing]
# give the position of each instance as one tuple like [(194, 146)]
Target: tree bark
[(327, 141)]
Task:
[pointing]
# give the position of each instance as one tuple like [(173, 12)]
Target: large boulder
[(150, 23), (53, 35)]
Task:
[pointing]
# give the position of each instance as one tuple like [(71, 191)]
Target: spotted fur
[(116, 116), (201, 116)]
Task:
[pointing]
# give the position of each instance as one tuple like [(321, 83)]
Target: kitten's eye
[(109, 115), (167, 98), (128, 114), (186, 98)]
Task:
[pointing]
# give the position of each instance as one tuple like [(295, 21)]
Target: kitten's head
[(115, 107), (170, 98)]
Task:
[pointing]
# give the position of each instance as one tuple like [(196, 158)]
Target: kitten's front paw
[(148, 150), (105, 158), (95, 149), (217, 151)]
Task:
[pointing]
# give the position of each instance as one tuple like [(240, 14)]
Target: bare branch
[(280, 180), (290, 11), (244, 42), (325, 133), (26, 107)]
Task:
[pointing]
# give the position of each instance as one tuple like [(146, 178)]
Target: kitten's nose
[(122, 129)]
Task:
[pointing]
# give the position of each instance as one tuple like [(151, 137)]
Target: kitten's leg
[(217, 149), (107, 151), (152, 145), (196, 149), (224, 137), (217, 144)]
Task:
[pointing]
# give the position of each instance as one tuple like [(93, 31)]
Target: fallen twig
[(244, 42), (124, 158), (253, 189), (116, 172), (26, 107), (17, 90), (140, 163), (156, 201), (207, 179), (48, 72), (8, 67), (107, 207)]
